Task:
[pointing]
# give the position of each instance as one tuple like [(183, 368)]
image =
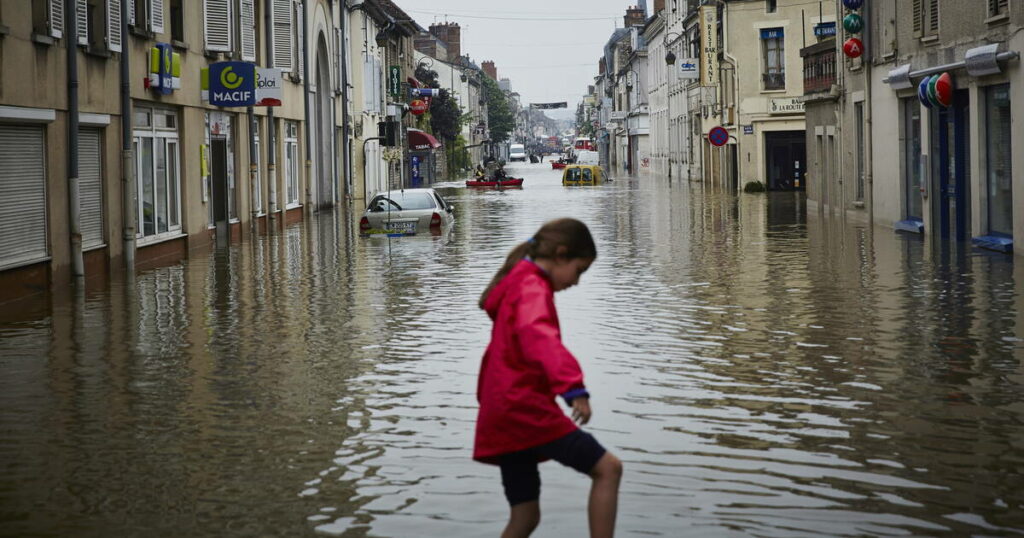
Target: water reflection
[(762, 371)]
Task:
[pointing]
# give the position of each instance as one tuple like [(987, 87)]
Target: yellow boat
[(582, 174)]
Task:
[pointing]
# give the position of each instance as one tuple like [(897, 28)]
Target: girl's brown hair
[(569, 233)]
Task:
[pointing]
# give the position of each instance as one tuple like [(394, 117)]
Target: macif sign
[(232, 84)]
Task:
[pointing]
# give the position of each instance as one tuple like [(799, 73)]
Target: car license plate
[(404, 228)]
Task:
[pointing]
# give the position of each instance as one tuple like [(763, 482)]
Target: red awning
[(421, 141)]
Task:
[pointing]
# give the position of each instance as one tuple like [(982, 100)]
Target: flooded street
[(760, 369)]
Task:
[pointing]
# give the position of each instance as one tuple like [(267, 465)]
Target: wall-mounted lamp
[(670, 57)]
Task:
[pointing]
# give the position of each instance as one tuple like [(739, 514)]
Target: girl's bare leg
[(524, 519), (604, 496)]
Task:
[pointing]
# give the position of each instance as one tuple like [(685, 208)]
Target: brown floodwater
[(761, 369)]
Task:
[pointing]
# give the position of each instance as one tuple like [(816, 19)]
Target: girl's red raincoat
[(524, 368)]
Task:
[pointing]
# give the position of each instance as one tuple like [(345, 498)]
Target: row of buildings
[(83, 191), (823, 96)]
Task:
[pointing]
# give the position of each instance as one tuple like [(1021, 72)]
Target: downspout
[(128, 209), (868, 157), (268, 23), (253, 170), (74, 209), (305, 101), (346, 149)]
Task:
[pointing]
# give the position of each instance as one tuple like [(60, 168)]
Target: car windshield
[(399, 201)]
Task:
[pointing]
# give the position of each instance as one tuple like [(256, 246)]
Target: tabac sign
[(709, 45)]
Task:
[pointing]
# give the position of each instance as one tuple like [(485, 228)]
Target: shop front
[(423, 149)]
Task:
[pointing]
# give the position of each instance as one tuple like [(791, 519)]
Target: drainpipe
[(305, 101), (268, 24), (346, 150), (128, 209), (74, 209), (253, 170), (868, 152)]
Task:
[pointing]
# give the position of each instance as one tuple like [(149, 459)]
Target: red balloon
[(853, 48), (944, 90), (418, 107)]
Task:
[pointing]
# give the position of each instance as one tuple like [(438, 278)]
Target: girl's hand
[(581, 410)]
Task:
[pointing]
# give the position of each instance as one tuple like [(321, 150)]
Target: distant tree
[(444, 117), (499, 115)]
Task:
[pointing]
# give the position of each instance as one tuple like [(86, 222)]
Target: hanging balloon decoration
[(853, 4), (853, 48), (922, 92), (944, 90), (853, 23)]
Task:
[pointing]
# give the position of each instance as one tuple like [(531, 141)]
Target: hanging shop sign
[(689, 68), (269, 87), (788, 105), (853, 23), (853, 4), (709, 45), (395, 81), (418, 107), (936, 91), (853, 48), (424, 92), (231, 84), (164, 69)]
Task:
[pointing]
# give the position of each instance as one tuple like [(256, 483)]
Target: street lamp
[(670, 57), (629, 82)]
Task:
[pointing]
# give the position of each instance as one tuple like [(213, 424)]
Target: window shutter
[(218, 25), (22, 195), (918, 18), (248, 33), (301, 41), (82, 21), (131, 12), (114, 25), (282, 21), (90, 177), (56, 18), (367, 85), (338, 51), (156, 16), (933, 17)]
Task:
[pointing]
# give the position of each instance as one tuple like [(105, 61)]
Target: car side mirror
[(450, 209)]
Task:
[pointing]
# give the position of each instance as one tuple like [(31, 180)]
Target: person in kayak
[(526, 367)]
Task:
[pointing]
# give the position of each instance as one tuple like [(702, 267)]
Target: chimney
[(489, 68), (659, 5), (634, 17), (451, 35)]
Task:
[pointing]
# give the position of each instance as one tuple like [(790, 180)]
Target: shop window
[(158, 177), (1000, 155), (773, 58), (912, 162), (291, 162)]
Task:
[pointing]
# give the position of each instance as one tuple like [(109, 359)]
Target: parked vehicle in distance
[(584, 156), (407, 212), (582, 174), (517, 152), (584, 143)]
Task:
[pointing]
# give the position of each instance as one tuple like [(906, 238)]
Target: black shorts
[(519, 474)]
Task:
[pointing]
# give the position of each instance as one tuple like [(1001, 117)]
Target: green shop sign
[(395, 81)]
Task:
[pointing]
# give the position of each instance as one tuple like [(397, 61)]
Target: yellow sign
[(204, 168), (709, 45)]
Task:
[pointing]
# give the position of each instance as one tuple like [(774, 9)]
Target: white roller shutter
[(90, 187), (22, 195), (282, 21), (56, 22), (218, 25), (300, 43), (82, 21), (248, 31), (156, 16), (114, 25)]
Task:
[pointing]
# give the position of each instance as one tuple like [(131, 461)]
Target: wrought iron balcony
[(774, 81)]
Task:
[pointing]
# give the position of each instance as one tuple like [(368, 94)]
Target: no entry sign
[(718, 136)]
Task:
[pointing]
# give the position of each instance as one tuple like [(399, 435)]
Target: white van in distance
[(517, 152)]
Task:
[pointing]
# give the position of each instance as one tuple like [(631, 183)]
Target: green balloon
[(853, 23)]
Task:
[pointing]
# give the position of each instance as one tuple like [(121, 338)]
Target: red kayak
[(555, 165), (510, 182)]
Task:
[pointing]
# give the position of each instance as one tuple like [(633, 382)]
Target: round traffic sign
[(418, 106), (718, 136)]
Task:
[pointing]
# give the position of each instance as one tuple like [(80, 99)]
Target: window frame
[(291, 142), (912, 145), (170, 139), (991, 147), (773, 80)]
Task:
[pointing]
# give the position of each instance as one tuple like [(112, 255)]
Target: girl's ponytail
[(521, 251), (569, 233)]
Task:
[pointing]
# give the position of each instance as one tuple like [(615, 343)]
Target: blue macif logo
[(232, 84)]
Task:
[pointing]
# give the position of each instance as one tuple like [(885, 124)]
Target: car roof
[(388, 193)]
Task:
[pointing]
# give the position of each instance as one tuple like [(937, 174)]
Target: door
[(219, 187), (951, 166), (785, 157)]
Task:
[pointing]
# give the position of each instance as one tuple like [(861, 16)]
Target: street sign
[(718, 136), (424, 92), (232, 84), (748, 129), (395, 81)]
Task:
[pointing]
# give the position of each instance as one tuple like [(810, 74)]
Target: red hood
[(514, 279)]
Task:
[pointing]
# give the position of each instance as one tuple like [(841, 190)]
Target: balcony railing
[(774, 81), (819, 71)]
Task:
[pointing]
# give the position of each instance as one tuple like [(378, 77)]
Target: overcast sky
[(548, 48)]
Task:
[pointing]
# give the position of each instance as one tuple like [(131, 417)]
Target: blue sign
[(825, 29), (748, 129), (232, 84), (853, 4), (160, 65), (718, 136), (771, 33), (417, 178)]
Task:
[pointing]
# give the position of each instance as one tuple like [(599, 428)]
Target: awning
[(422, 141)]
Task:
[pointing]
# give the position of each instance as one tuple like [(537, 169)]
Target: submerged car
[(582, 174), (407, 212)]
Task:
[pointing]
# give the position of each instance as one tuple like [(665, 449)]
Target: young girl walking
[(524, 370)]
